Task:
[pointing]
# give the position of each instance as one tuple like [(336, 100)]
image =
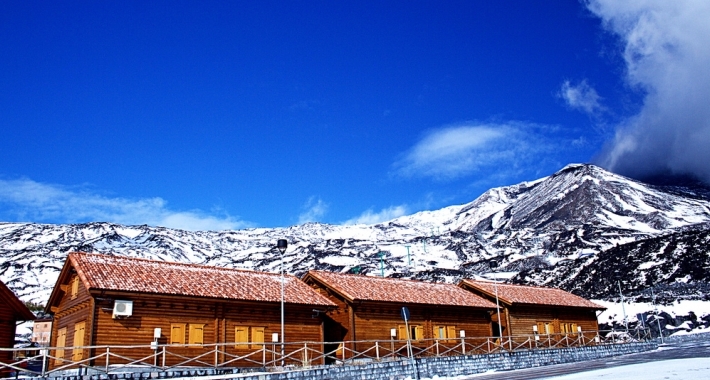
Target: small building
[(107, 300), (370, 309), (534, 310), (12, 311), (42, 330)]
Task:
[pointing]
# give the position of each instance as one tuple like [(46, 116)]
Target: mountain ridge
[(537, 231)]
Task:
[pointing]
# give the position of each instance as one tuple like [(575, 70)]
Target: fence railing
[(43, 361)]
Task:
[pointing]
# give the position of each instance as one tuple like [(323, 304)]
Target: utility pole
[(382, 263), (623, 308), (409, 259), (658, 317)]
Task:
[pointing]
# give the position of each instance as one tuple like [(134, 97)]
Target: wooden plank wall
[(523, 318), (374, 321), (220, 319), (67, 314), (7, 329)]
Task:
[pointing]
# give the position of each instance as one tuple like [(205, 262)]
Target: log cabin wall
[(72, 315), (375, 321), (7, 331), (369, 309), (218, 321), (203, 307), (11, 311), (549, 310), (523, 318)]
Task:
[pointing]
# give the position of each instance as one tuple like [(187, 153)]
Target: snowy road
[(674, 361)]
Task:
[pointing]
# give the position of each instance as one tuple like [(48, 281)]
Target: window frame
[(181, 333), (255, 332), (445, 333), (239, 343), (74, 290), (79, 336), (60, 344), (196, 334), (416, 332)]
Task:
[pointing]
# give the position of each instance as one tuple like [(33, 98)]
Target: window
[(78, 353), (445, 332), (568, 328), (177, 333), (257, 336), (241, 337), (61, 342), (416, 332), (75, 287), (197, 333), (545, 328)]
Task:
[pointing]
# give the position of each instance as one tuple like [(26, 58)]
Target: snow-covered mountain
[(579, 229)]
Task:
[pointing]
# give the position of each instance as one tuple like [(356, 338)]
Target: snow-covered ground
[(615, 310), (698, 368), (683, 307), (677, 369)]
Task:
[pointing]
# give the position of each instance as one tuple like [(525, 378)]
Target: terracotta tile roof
[(119, 273), (9, 299), (530, 295), (369, 288)]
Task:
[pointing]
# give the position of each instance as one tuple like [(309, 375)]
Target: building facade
[(370, 309), (12, 311), (102, 300), (536, 311)]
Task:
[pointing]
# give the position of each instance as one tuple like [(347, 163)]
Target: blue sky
[(233, 114)]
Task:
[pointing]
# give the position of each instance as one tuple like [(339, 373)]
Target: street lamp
[(493, 264), (281, 245), (618, 277)]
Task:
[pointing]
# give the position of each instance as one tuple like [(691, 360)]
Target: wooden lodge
[(536, 311), (102, 299), (369, 309), (12, 311)]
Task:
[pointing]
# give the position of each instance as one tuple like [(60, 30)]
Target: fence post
[(463, 346), (163, 357), (306, 362), (216, 353), (436, 343), (488, 343), (263, 355), (108, 354), (377, 350), (44, 361)]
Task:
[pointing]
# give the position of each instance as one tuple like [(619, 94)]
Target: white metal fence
[(43, 361)]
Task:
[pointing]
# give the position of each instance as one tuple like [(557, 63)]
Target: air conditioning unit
[(122, 309)]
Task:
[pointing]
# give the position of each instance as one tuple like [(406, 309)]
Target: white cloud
[(462, 149), (371, 217), (666, 50), (314, 210), (581, 96), (39, 202)]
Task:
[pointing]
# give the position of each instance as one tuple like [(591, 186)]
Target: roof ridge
[(178, 263), (382, 278), (514, 285), (106, 272)]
